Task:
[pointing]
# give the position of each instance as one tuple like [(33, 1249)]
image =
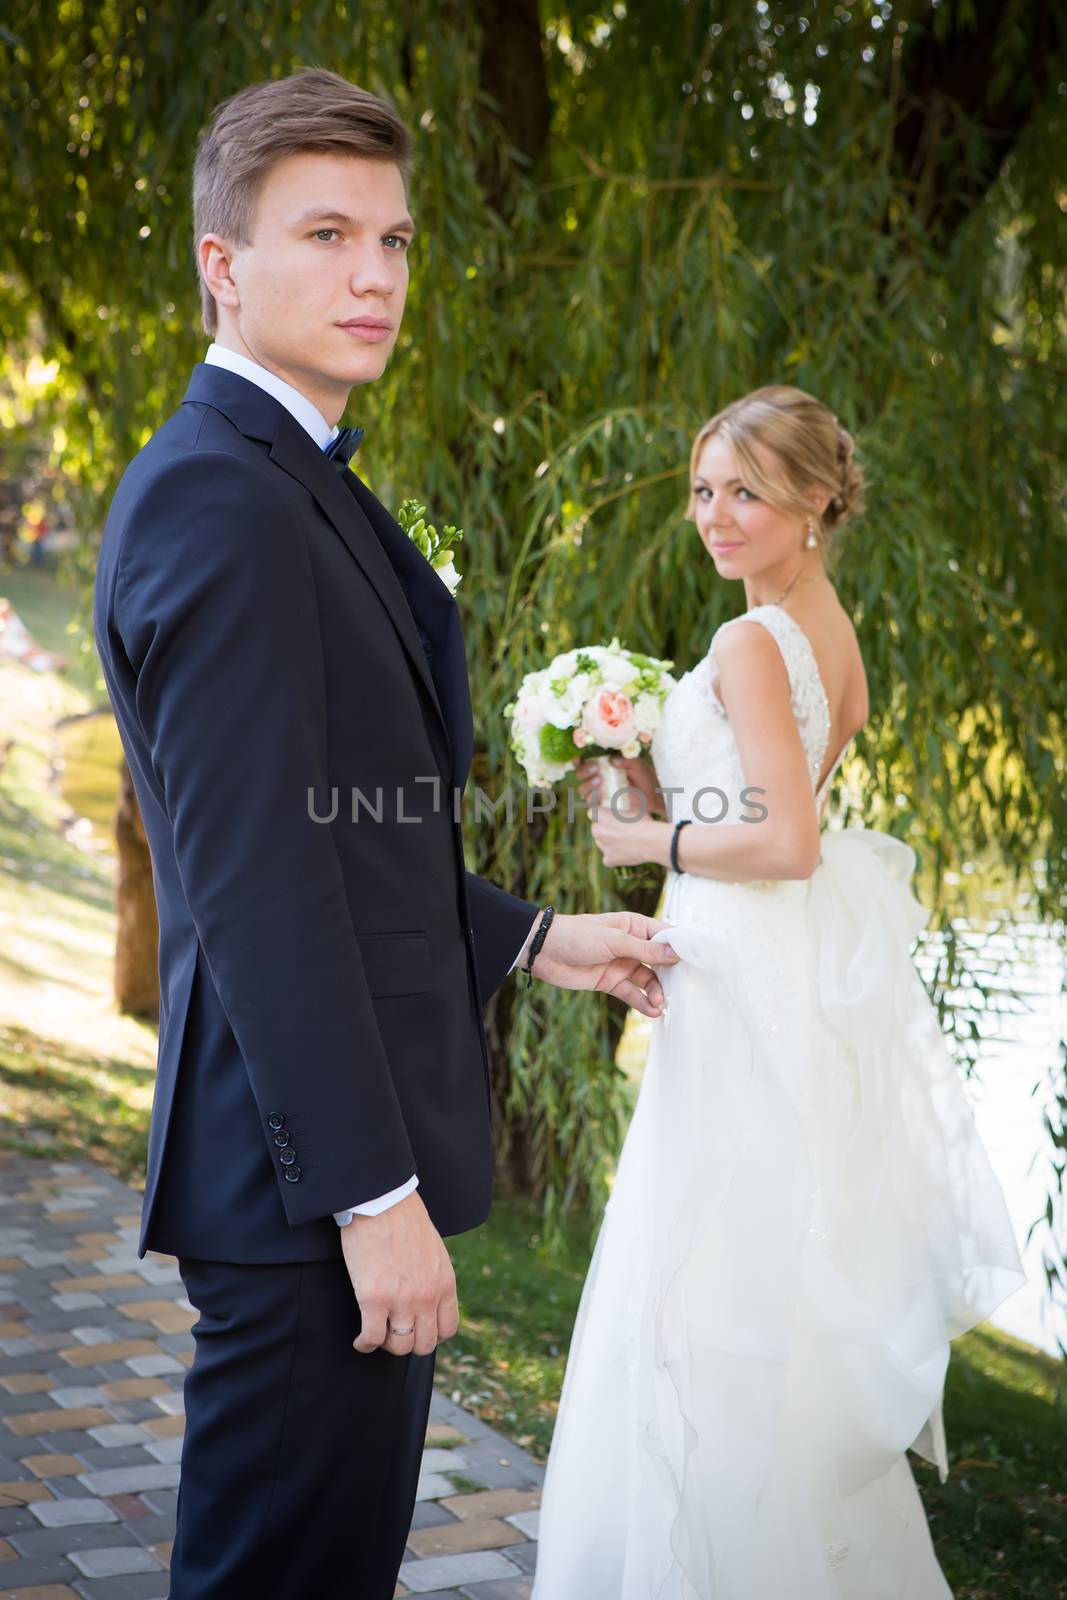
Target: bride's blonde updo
[(806, 449)]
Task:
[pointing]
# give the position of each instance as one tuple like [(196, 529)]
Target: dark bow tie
[(341, 450)]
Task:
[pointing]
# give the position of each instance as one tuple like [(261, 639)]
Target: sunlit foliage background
[(628, 215)]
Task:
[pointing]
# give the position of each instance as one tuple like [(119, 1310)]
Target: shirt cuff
[(374, 1208), (525, 942)]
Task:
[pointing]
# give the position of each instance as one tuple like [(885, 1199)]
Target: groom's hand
[(402, 1277), (610, 952)]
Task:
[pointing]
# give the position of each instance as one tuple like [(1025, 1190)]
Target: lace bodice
[(694, 746)]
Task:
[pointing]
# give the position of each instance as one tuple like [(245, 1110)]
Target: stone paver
[(21, 1492), (72, 1513), (94, 1346), (453, 1538), (164, 1427), (56, 1417), (48, 1591), (134, 1388), (493, 1503), (26, 1383), (112, 1561), (48, 1466), (474, 1567), (433, 1486), (95, 1355)]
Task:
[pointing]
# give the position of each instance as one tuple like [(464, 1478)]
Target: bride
[(803, 1215)]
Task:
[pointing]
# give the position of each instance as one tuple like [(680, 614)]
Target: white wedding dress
[(802, 1218)]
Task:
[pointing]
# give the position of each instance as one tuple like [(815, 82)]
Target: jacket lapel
[(259, 416), (436, 617)]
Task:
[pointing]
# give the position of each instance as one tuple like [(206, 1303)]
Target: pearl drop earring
[(811, 541)]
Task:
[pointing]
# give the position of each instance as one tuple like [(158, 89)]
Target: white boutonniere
[(436, 547)]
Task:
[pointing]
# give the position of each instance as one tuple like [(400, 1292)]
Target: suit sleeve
[(500, 923), (217, 610)]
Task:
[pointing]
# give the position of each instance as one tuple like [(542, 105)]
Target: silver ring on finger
[(401, 1331)]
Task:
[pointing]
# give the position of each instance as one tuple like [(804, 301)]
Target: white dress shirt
[(314, 423), (309, 418)]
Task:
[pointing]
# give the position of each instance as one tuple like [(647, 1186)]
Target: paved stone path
[(94, 1344)]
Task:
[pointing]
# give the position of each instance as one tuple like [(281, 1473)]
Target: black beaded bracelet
[(538, 940), (678, 826)]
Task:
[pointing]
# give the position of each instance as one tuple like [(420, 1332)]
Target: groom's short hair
[(314, 111)]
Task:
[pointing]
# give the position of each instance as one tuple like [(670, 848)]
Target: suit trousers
[(301, 1456)]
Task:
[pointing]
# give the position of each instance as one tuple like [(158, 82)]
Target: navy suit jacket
[(290, 686)]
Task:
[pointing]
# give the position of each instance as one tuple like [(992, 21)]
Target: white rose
[(569, 704), (542, 774), (647, 713), (559, 711), (618, 672), (528, 715)]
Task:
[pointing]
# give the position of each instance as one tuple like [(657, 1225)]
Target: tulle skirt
[(802, 1218)]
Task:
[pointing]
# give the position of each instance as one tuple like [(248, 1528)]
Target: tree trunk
[(511, 72), (137, 941), (979, 66)]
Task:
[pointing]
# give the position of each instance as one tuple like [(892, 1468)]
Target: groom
[(269, 636)]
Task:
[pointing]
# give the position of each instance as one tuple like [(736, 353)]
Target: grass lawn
[(75, 1079)]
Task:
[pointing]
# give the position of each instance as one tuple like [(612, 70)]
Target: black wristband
[(678, 826), (537, 941)]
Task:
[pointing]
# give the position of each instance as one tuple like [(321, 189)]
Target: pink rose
[(608, 718)]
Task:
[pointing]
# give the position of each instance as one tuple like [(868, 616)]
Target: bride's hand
[(638, 773), (627, 840)]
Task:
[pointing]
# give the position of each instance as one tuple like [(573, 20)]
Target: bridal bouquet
[(590, 701), (436, 547)]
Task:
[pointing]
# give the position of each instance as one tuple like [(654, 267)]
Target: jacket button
[(281, 1139), (287, 1158), (275, 1120), (292, 1174)]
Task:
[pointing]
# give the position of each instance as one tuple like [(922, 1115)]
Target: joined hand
[(611, 952)]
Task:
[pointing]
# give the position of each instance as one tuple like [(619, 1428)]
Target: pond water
[(1010, 1090)]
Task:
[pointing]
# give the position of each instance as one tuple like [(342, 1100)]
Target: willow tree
[(629, 214)]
